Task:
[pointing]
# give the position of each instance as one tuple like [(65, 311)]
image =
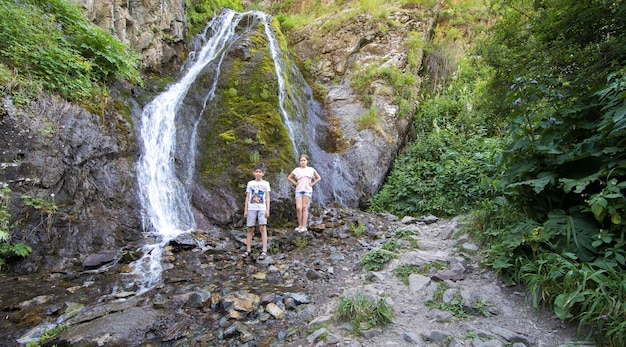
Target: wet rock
[(313, 275), (316, 335), (439, 315), (411, 338), (242, 301), (437, 336), (223, 302), (408, 220), (98, 259), (430, 219), (417, 283), (300, 298), (114, 329), (456, 272)]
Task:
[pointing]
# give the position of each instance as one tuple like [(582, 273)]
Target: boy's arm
[(245, 205), (267, 204)]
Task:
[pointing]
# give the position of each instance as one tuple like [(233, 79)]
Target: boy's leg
[(249, 239), (250, 223), (263, 229)]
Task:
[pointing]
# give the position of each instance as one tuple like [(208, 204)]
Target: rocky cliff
[(72, 179), (156, 29), (338, 55), (82, 165)]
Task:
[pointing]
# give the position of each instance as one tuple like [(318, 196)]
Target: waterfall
[(165, 198), (300, 112), (164, 184)]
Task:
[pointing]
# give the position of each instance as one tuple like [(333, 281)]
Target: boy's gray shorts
[(253, 216)]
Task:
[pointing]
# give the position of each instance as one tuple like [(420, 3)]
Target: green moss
[(199, 12), (244, 124)]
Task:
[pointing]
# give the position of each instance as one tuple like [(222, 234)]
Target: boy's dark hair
[(259, 167)]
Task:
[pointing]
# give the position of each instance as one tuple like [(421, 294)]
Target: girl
[(304, 178)]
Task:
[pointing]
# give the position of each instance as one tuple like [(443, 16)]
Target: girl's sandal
[(262, 256), (245, 254)]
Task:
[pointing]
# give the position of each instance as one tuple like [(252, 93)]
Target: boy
[(257, 208)]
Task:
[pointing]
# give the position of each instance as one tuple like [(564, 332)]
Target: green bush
[(451, 165), (560, 225), (358, 228), (404, 271), (200, 12), (50, 43)]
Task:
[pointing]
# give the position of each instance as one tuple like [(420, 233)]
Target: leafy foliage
[(376, 259), (532, 142), (450, 166), (200, 12), (559, 76), (55, 48), (8, 250), (403, 272)]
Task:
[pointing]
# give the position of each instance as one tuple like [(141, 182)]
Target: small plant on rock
[(410, 236), (300, 242), (376, 259), (274, 248), (404, 271), (8, 250), (358, 228), (454, 305), (364, 312)]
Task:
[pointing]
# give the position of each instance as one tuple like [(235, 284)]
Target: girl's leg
[(305, 212), (299, 210)]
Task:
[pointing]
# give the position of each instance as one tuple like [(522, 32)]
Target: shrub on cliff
[(50, 45)]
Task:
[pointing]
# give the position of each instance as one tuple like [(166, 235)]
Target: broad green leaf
[(597, 210), (562, 308)]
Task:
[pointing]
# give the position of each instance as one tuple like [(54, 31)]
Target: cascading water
[(164, 197), (164, 190), (288, 97)]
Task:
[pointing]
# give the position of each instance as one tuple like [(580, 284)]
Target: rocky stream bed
[(211, 296)]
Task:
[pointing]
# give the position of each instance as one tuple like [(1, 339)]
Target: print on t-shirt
[(257, 196)]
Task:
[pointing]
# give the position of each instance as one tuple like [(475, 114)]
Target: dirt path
[(502, 316)]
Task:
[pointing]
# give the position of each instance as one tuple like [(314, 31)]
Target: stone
[(98, 259), (275, 311)]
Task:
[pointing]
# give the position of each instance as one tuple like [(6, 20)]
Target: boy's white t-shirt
[(304, 176), (258, 194)]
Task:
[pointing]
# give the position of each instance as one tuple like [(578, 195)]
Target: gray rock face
[(338, 55), (72, 179), (156, 29)]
